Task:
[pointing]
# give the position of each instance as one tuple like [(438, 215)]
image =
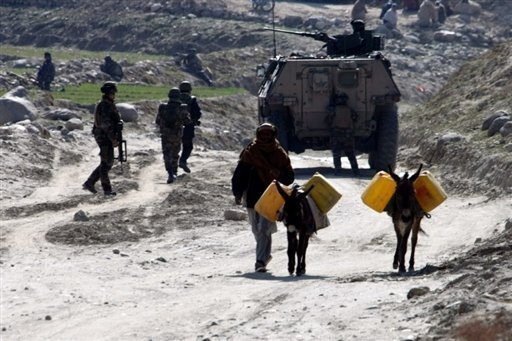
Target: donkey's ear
[(415, 175), (281, 190), (393, 175), (304, 194)]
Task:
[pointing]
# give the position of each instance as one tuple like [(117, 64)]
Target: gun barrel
[(297, 33)]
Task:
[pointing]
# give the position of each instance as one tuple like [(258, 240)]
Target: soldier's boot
[(337, 165), (171, 173), (89, 186), (171, 177), (185, 154), (108, 192)]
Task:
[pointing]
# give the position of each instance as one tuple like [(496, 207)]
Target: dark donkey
[(298, 218), (406, 213)]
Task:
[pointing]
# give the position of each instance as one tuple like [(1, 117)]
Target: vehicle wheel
[(282, 133), (386, 149)]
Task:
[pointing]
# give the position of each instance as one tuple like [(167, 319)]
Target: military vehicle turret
[(298, 92)]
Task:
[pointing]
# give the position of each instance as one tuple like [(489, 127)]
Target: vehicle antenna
[(274, 26)]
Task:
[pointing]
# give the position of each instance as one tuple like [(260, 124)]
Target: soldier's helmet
[(185, 86), (108, 88), (174, 95)]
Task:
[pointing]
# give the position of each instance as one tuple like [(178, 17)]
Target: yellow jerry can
[(379, 191), (428, 191), (271, 202), (324, 194)]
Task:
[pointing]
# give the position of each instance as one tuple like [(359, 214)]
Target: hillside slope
[(477, 90)]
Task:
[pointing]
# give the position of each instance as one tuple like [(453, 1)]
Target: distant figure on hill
[(46, 73), (411, 5), (112, 68), (390, 18), (427, 14), (385, 8), (447, 7), (194, 65), (359, 10), (441, 12), (467, 8)]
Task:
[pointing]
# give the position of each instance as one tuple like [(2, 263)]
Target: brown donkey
[(297, 217), (406, 214)]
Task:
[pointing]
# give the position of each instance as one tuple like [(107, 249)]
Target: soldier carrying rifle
[(106, 130)]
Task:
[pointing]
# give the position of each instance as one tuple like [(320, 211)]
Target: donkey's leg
[(403, 249), (301, 254), (414, 240), (397, 251), (292, 250)]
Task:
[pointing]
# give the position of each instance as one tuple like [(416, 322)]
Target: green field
[(73, 54), (90, 93)]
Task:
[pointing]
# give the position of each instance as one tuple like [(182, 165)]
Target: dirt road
[(160, 262)]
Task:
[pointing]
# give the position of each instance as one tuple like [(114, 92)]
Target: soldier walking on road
[(170, 119), (107, 124), (46, 72), (188, 130), (340, 120)]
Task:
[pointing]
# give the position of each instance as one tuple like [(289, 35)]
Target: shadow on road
[(328, 172), (267, 276)]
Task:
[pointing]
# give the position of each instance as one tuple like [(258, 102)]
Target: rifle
[(121, 148), (321, 36)]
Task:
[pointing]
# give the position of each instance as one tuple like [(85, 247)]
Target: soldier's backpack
[(168, 116)]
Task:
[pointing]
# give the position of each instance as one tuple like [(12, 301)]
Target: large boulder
[(128, 112), (62, 114), (74, 124), (15, 109), (18, 91)]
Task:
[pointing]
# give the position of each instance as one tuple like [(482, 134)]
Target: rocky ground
[(53, 235)]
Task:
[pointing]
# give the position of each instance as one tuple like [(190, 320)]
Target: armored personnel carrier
[(354, 79)]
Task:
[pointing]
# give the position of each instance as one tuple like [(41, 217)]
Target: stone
[(74, 124), (14, 109), (506, 130), (418, 291), (497, 124), (81, 216), (128, 112), (492, 117)]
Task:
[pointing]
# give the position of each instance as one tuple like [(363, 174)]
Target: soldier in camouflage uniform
[(170, 119), (188, 130), (340, 119), (107, 124)]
